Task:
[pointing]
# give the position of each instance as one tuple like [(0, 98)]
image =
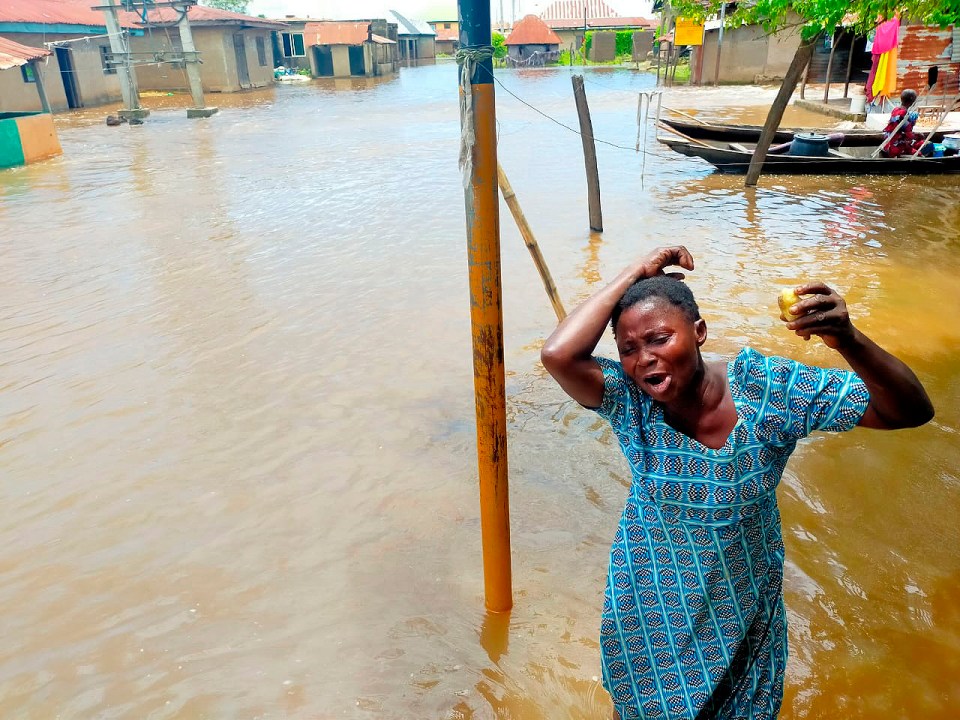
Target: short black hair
[(664, 287), (908, 97)]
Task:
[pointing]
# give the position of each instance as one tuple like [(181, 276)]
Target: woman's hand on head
[(657, 261), (823, 313)]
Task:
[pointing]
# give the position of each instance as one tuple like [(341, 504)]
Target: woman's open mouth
[(658, 382)]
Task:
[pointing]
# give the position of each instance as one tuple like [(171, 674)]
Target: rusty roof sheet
[(202, 15), (336, 33), (58, 12), (531, 30), (13, 54)]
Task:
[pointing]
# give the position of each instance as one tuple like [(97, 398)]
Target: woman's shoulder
[(753, 368)]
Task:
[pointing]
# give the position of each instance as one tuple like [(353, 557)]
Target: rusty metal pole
[(482, 201)]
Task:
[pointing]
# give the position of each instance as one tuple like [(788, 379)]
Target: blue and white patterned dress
[(693, 621)]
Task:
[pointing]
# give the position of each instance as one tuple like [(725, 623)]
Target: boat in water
[(734, 157), (751, 133)]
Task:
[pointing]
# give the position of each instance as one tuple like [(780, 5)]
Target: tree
[(237, 6), (499, 43), (815, 19)]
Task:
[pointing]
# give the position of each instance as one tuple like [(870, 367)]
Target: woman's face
[(659, 347)]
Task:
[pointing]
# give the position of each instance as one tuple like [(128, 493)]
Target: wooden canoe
[(751, 133), (735, 159)]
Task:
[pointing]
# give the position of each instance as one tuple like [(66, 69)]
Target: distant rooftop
[(406, 26), (577, 10)]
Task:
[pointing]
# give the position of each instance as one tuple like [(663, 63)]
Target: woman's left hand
[(824, 313)]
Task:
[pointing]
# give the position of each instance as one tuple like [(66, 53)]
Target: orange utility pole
[(482, 201)]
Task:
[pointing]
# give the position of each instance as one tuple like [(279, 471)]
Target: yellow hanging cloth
[(890, 87), (885, 79), (880, 77)]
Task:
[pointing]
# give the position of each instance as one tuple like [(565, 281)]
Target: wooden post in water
[(589, 154), (482, 202), (510, 197), (797, 66)]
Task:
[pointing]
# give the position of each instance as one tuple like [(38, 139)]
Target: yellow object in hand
[(787, 299)]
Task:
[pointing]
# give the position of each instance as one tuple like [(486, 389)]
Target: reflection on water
[(236, 419)]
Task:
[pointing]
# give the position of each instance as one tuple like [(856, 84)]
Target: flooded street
[(237, 420)]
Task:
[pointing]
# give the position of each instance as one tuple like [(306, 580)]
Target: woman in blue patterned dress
[(693, 623)]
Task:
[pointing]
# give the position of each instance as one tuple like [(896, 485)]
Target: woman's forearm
[(577, 334), (896, 394)]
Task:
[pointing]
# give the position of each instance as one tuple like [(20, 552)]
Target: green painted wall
[(11, 150)]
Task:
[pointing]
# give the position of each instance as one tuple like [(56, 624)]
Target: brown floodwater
[(236, 418)]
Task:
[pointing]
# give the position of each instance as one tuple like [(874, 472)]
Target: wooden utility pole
[(797, 66), (482, 201), (589, 153), (120, 48)]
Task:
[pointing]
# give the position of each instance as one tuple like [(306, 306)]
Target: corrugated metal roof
[(578, 9), (331, 32), (58, 12), (531, 30), (13, 54), (406, 26), (78, 12), (202, 15), (920, 47), (603, 23)]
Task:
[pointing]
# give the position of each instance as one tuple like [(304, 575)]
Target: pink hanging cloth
[(887, 37)]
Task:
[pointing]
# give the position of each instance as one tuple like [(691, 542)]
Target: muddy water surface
[(236, 419)]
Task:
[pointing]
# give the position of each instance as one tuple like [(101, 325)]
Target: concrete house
[(350, 49), (448, 35), (748, 54), (236, 50), (416, 39), (25, 137), (77, 73), (571, 19), (531, 42)]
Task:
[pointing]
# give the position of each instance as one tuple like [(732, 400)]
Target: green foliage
[(682, 74), (237, 6), (499, 43), (823, 16)]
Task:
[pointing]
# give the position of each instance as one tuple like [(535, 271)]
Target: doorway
[(357, 66), (323, 57), (69, 76), (240, 50)]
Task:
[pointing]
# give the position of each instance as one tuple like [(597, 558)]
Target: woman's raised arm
[(568, 352), (897, 398)]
